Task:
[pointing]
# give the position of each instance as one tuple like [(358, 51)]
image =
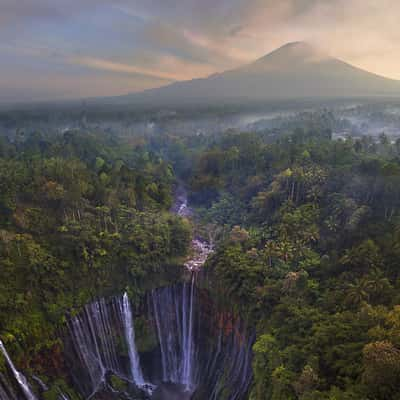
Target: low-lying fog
[(347, 119)]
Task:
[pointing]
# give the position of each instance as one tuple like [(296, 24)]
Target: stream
[(200, 248)]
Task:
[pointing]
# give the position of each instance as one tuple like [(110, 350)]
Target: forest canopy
[(307, 233)]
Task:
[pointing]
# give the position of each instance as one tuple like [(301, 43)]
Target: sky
[(61, 49)]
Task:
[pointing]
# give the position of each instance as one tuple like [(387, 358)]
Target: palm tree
[(357, 292), (376, 283)]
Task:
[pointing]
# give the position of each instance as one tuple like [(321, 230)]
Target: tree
[(357, 293), (381, 361)]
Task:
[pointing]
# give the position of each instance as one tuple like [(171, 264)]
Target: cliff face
[(183, 346)]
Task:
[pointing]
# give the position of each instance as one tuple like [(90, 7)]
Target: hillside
[(295, 70)]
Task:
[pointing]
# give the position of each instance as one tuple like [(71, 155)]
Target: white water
[(173, 310), (200, 252), (136, 370), (197, 347), (100, 321), (183, 209), (6, 392), (87, 351), (3, 394), (93, 340), (94, 334), (187, 378), (42, 385), (201, 249), (20, 378), (181, 204)]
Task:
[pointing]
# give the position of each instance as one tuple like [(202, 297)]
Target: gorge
[(176, 343)]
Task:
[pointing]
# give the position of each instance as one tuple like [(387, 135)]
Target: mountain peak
[(294, 70), (295, 45), (294, 52)]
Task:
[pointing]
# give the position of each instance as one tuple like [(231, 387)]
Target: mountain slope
[(295, 70)]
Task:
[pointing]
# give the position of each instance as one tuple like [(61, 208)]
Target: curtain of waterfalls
[(199, 348), (206, 353), (173, 312)]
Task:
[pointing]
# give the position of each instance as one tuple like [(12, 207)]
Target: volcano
[(294, 71)]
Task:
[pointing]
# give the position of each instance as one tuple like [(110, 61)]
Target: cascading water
[(6, 391), (20, 378), (204, 352), (173, 312), (41, 384), (193, 350), (3, 394), (136, 370), (94, 341), (233, 362), (86, 347), (188, 345), (94, 335)]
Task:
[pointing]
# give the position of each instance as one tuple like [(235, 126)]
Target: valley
[(188, 214)]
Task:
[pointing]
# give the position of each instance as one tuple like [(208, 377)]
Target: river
[(200, 248)]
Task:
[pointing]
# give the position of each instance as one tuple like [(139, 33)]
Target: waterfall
[(42, 385), (198, 348), (6, 391), (63, 396), (85, 344), (173, 310), (136, 370), (168, 332), (3, 394), (22, 381), (229, 370), (94, 340), (102, 322), (94, 335), (182, 209), (214, 357), (188, 343), (193, 349), (181, 203)]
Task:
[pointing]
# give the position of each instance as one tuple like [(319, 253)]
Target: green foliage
[(308, 244), (78, 220), (308, 254)]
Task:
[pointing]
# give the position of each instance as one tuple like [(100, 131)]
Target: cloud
[(152, 42), (167, 68), (187, 45)]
